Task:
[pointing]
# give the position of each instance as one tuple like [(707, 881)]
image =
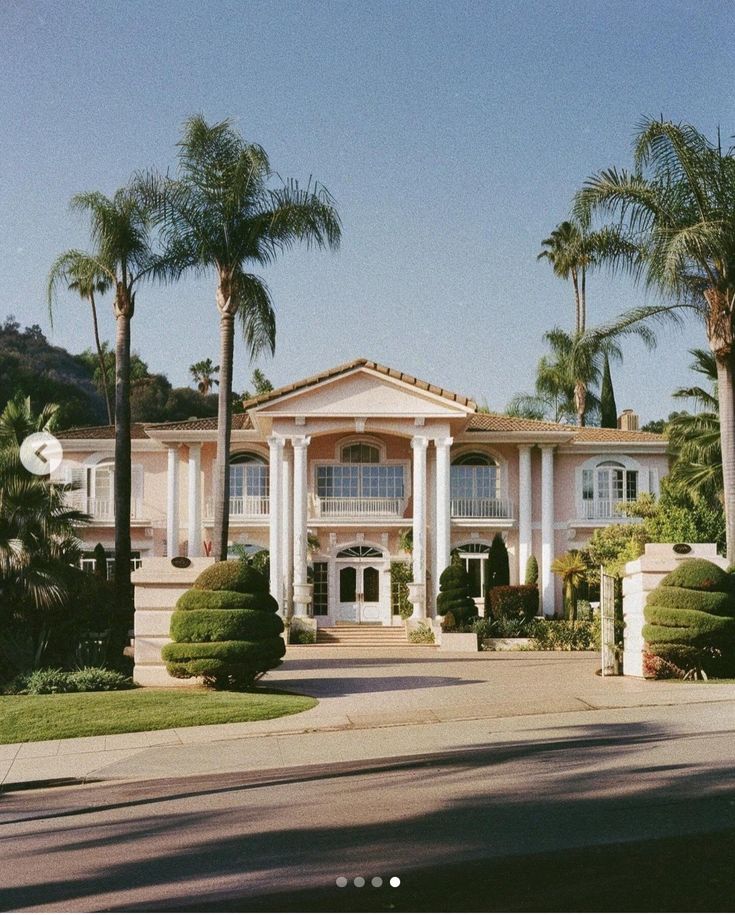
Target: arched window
[(360, 552), (604, 486), (475, 486), (102, 488), (249, 484), (360, 453)]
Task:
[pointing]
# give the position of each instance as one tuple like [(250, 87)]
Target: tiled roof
[(499, 422), (137, 430), (350, 366), (239, 421)]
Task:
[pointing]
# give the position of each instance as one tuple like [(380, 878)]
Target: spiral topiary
[(226, 628), (454, 601), (690, 619)]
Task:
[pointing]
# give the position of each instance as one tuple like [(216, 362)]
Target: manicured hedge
[(514, 601), (216, 626), (454, 595), (226, 600), (225, 629), (690, 620)]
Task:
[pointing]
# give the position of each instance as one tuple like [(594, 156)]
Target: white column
[(547, 529), (287, 506), (443, 513), (300, 586), (419, 446), (195, 500), (525, 509), (275, 541), (172, 502)]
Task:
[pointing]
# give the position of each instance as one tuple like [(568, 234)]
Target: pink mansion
[(328, 472)]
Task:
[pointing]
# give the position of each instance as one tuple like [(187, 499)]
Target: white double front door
[(360, 587)]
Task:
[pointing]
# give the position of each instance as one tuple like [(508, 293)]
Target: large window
[(474, 476), (360, 475), (320, 574), (606, 485), (249, 476)]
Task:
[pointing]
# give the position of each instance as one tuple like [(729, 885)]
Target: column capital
[(443, 441), (419, 442), (276, 441), (547, 449), (195, 447), (524, 449), (300, 441)]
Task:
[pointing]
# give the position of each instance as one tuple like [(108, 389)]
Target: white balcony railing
[(243, 507), (602, 509), (333, 507), (481, 508), (103, 509)]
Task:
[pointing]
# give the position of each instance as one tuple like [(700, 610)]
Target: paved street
[(426, 801)]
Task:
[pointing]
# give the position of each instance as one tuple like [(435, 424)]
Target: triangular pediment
[(362, 392)]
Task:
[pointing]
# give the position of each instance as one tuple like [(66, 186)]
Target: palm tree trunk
[(101, 357), (224, 428), (726, 394), (577, 301), (122, 476), (580, 401), (583, 302)]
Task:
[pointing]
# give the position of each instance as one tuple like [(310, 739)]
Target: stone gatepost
[(641, 577), (159, 583)]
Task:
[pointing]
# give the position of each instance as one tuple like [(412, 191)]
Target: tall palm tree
[(124, 256), (203, 373), (221, 215), (567, 252), (677, 210), (86, 284)]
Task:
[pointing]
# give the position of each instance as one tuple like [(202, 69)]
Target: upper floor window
[(360, 475), (249, 476), (360, 453), (605, 485), (474, 476)]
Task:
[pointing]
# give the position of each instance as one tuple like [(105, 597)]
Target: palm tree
[(567, 252), (572, 570), (123, 255), (694, 439), (677, 210), (79, 279), (203, 373), (222, 215)]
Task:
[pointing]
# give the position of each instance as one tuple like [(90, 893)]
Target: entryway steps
[(361, 636)]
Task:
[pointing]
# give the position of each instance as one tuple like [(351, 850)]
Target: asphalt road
[(563, 816)]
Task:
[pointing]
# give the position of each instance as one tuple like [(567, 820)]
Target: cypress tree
[(608, 408)]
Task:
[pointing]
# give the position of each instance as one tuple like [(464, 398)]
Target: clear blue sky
[(452, 134)]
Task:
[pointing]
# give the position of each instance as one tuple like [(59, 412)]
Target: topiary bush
[(690, 620), (532, 570), (225, 629), (454, 597), (514, 602)]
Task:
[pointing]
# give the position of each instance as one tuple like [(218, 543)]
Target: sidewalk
[(372, 707)]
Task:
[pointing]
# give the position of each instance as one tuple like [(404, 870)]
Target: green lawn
[(86, 714)]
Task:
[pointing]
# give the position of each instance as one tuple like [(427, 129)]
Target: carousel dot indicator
[(359, 881), (377, 881), (395, 881), (341, 881)]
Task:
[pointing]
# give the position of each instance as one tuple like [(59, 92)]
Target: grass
[(31, 718)]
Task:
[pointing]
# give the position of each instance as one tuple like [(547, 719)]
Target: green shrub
[(231, 575), (532, 570), (226, 600), (224, 629), (50, 680), (454, 595), (421, 634), (514, 601), (690, 621), (498, 563), (300, 636), (400, 575), (698, 575), (564, 635), (98, 680), (223, 625)]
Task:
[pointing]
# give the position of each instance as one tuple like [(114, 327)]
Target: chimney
[(628, 421)]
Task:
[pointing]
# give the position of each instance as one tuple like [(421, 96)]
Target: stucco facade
[(328, 472)]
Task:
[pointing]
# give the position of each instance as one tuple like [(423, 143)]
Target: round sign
[(41, 453), (181, 562), (682, 548)]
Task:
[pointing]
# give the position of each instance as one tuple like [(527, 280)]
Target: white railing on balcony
[(103, 509), (244, 507), (481, 508), (337, 507), (602, 509)]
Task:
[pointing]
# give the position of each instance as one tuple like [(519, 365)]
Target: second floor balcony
[(480, 507), (242, 507), (357, 507)]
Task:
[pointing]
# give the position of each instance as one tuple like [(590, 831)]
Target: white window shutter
[(136, 490), (76, 477)]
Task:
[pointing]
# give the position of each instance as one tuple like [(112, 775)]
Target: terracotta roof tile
[(137, 430), (239, 421), (348, 367), (499, 422)]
